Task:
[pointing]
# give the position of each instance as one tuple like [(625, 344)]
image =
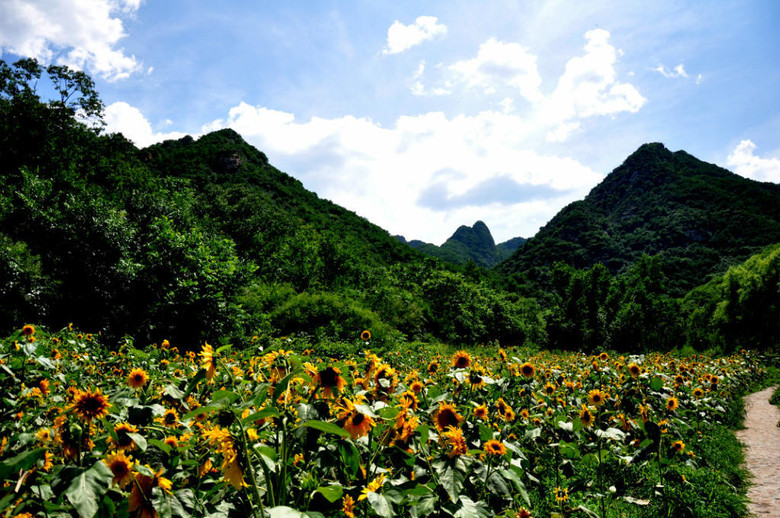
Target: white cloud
[(381, 172), (401, 37), (120, 117), (82, 34), (678, 71), (746, 164), (499, 63)]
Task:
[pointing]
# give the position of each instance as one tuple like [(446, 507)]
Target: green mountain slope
[(699, 217), (473, 243)]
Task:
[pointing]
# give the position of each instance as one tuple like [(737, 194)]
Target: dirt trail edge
[(761, 437)]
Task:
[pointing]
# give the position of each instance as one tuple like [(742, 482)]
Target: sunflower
[(326, 379), (385, 379), (481, 412), (476, 378), (494, 448), (433, 367), (445, 416), (586, 416), (678, 446), (90, 405), (209, 360), (417, 386), (372, 487), (596, 397), (365, 335), (170, 418), (549, 389), (455, 442), (527, 370), (525, 414), (123, 440), (672, 403), (28, 330), (408, 400), (502, 355), (348, 506), (355, 422), (137, 378), (698, 392), (44, 435), (140, 500), (122, 468), (173, 441), (603, 357), (461, 360), (561, 495)]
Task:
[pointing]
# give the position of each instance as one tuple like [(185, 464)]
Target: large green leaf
[(331, 493), (23, 461), (380, 505), (452, 481), (471, 509), (87, 489), (326, 427)]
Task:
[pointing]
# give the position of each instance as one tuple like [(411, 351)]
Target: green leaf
[(200, 410), (23, 461), (160, 444), (225, 397), (200, 376), (331, 493), (380, 505), (656, 383), (471, 509), (281, 387), (452, 480), (327, 427), (498, 485), (174, 392), (138, 439), (282, 511), (88, 488), (162, 503), (265, 412)]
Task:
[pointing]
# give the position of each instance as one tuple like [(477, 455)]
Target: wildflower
[(355, 422), (326, 379), (48, 461), (170, 418), (461, 360), (586, 416), (433, 367), (634, 370), (172, 441), (209, 360), (385, 379), (672, 403), (408, 400), (475, 378), (494, 448), (43, 435), (455, 442), (90, 405), (527, 370), (698, 393), (123, 440), (141, 499), (481, 412), (549, 389), (365, 335), (678, 446), (348, 506), (417, 386), (596, 397), (373, 487), (561, 495), (28, 330), (137, 378), (122, 468), (502, 355), (603, 357), (445, 416)]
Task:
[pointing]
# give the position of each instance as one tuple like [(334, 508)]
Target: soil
[(761, 437)]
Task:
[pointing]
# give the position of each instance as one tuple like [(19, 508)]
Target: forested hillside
[(699, 218), (198, 239)]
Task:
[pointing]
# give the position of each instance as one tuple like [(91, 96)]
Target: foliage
[(243, 430)]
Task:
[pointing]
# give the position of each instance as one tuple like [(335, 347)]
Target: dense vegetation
[(698, 217), (99, 430), (195, 240), (470, 244)]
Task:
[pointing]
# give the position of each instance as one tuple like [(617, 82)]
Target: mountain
[(473, 243), (700, 218)]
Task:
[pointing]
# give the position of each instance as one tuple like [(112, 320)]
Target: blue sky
[(423, 116)]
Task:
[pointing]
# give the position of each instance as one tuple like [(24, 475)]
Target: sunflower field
[(89, 429)]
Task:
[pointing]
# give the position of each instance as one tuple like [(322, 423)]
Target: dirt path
[(762, 438)]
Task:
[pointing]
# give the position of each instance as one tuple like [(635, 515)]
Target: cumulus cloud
[(499, 63), (401, 37), (749, 165), (120, 117), (428, 172), (82, 34)]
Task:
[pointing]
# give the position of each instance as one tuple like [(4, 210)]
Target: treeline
[(194, 240)]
